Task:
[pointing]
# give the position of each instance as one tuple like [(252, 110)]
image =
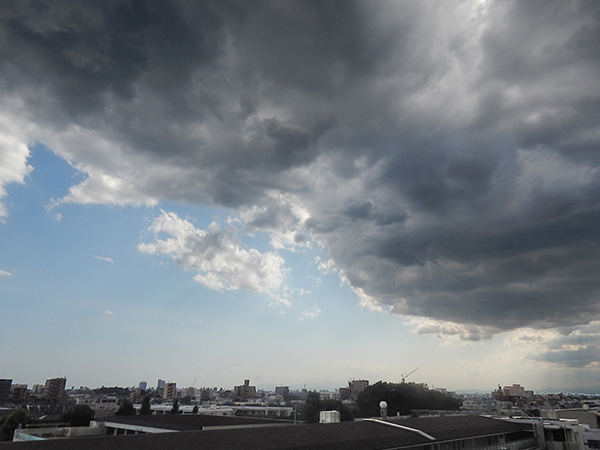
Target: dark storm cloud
[(501, 230), (85, 50), (447, 154), (529, 55), (310, 45), (150, 73)]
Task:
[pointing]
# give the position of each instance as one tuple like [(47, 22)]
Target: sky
[(300, 192)]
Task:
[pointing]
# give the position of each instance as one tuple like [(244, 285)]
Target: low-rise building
[(329, 416), (104, 406)]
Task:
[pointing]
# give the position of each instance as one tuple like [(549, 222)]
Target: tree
[(312, 407), (402, 398), (346, 414), (146, 410), (9, 424), (175, 408), (126, 409), (79, 416)]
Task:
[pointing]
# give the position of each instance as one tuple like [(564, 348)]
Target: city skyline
[(298, 193), (270, 387)]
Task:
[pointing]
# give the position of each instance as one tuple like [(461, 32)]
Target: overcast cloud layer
[(444, 155)]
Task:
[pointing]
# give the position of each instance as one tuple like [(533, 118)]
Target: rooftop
[(360, 435), (192, 422)]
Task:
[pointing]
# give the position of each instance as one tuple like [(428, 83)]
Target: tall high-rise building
[(4, 390), (18, 391), (143, 385), (282, 390), (170, 391), (245, 391), (55, 388), (205, 395), (357, 386), (344, 393), (160, 384)]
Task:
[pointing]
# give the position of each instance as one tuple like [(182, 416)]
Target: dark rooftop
[(360, 435), (189, 422), (456, 427)]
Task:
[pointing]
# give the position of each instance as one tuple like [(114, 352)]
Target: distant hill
[(594, 390)]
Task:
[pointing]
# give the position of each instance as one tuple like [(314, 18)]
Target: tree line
[(401, 398)]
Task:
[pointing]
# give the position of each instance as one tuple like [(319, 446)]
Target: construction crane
[(404, 377)]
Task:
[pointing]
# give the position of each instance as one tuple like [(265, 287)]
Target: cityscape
[(52, 412), (54, 396)]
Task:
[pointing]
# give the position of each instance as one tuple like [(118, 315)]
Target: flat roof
[(359, 435), (189, 422)]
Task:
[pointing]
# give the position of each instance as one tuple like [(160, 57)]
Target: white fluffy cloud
[(13, 156), (104, 258), (309, 314), (282, 216), (217, 255)]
